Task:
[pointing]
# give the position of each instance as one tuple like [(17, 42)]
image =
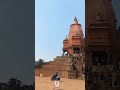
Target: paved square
[(45, 83)]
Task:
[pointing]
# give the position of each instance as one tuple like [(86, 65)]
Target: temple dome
[(75, 29)]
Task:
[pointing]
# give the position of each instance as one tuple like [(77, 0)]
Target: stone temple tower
[(73, 47), (74, 43)]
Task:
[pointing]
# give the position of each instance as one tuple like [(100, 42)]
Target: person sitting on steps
[(55, 77)]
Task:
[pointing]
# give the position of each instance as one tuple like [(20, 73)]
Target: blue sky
[(52, 23)]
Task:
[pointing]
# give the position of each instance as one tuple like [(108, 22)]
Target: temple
[(102, 51), (71, 63), (74, 43)]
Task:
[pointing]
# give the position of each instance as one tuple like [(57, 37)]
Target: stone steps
[(72, 74), (64, 60), (62, 57), (60, 65), (54, 67), (62, 74)]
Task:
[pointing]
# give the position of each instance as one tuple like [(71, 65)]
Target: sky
[(116, 6), (17, 36), (52, 23)]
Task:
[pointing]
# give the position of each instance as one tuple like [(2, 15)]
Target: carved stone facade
[(102, 47)]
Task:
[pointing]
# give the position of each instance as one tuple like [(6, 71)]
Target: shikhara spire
[(75, 21)]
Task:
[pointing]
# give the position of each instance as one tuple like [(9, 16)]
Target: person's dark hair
[(56, 72)]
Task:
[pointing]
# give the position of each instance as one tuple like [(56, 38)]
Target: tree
[(14, 84), (40, 63)]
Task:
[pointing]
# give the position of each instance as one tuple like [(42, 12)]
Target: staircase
[(72, 74), (61, 64)]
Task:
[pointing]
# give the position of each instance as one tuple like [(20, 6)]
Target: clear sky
[(52, 23)]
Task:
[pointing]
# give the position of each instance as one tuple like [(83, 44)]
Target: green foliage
[(40, 63)]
